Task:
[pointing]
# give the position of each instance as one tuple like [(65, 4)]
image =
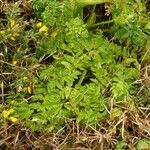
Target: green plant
[(143, 144), (75, 70), (120, 145)]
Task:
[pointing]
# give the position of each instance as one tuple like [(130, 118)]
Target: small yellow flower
[(25, 78), (12, 23), (15, 34), (18, 49), (29, 89), (13, 119), (12, 38), (43, 29), (14, 62), (54, 34), (39, 25), (2, 32), (25, 89), (6, 113)]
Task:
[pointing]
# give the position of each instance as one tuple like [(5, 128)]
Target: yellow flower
[(25, 78), (15, 34), (6, 113), (14, 62), (43, 29), (18, 49), (12, 38), (54, 34), (2, 32), (39, 25), (13, 119), (12, 23), (25, 89), (29, 89)]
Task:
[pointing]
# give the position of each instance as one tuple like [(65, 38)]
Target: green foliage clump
[(75, 70)]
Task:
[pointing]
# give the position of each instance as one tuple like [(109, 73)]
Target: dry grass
[(129, 128)]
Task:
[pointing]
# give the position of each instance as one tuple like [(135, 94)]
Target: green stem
[(92, 18), (91, 2), (81, 13), (101, 23), (77, 5), (93, 9)]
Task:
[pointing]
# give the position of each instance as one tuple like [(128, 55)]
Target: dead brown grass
[(129, 128)]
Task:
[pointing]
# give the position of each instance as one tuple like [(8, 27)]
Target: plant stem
[(92, 18), (93, 9), (101, 23), (79, 4), (91, 2)]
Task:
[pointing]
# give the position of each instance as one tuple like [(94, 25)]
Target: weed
[(82, 64)]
